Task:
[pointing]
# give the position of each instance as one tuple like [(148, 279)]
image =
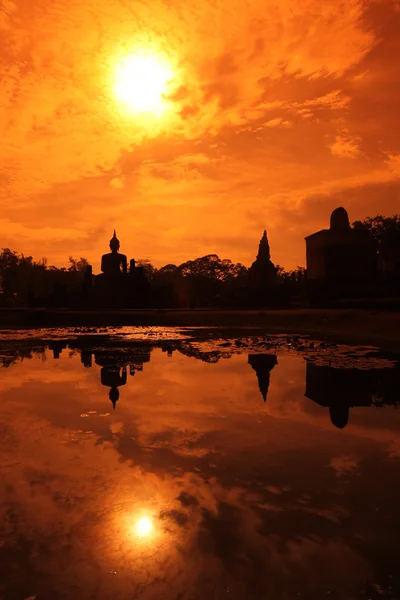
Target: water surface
[(217, 469)]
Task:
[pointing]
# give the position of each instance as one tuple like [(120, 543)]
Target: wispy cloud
[(268, 102)]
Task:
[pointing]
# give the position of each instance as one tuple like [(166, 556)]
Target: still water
[(185, 471)]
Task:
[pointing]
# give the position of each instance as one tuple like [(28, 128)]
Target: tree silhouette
[(147, 266), (379, 226), (78, 265), (386, 231)]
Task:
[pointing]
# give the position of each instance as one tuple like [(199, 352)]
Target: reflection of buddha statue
[(113, 263), (112, 377), (114, 395)]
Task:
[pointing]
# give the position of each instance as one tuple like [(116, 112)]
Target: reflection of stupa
[(263, 365)]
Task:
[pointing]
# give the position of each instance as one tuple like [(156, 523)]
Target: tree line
[(203, 282)]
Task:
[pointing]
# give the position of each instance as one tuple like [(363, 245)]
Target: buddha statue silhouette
[(114, 263)]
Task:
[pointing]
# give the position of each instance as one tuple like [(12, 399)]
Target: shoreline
[(371, 327)]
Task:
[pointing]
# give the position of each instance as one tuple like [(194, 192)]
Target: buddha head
[(114, 243)]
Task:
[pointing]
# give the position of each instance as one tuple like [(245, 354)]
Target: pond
[(165, 465)]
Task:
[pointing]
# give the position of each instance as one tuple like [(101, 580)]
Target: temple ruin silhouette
[(262, 273), (341, 261)]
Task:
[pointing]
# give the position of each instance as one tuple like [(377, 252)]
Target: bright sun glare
[(143, 527), (141, 82)]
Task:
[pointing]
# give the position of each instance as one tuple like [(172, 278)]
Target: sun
[(143, 527), (141, 82)]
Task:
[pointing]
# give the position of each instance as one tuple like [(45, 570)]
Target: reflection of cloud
[(344, 465), (274, 490), (257, 518)]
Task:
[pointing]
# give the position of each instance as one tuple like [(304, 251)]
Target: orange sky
[(280, 111)]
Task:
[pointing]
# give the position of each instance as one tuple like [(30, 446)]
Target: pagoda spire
[(263, 248)]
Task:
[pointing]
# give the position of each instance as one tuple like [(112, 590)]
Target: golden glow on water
[(151, 524), (141, 82)]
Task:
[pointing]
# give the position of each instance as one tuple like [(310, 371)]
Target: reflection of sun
[(141, 82), (144, 527)]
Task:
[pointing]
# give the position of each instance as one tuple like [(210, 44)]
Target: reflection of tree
[(86, 357), (211, 356), (9, 356), (188, 349), (114, 361), (263, 365), (341, 389)]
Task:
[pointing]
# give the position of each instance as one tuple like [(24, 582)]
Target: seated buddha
[(114, 263)]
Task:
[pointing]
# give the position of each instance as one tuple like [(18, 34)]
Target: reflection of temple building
[(341, 260), (341, 389), (263, 365)]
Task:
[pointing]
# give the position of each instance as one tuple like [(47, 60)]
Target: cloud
[(62, 88), (269, 104), (345, 146), (278, 122), (117, 183)]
